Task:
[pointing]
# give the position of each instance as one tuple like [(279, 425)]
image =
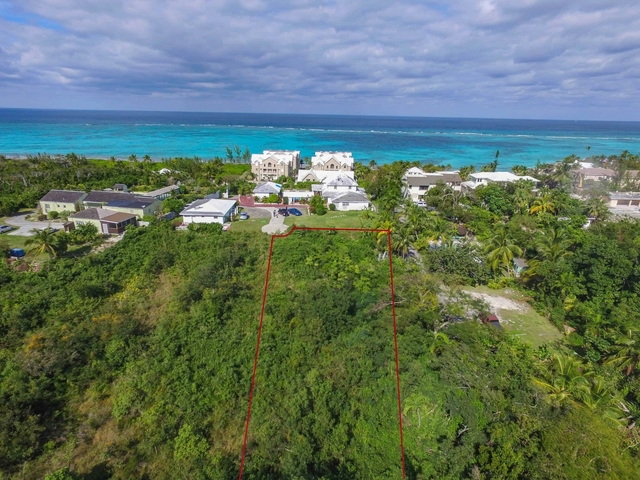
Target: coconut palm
[(501, 250), (543, 204), (566, 380), (416, 402), (43, 241), (553, 246), (625, 353), (598, 209), (402, 239)]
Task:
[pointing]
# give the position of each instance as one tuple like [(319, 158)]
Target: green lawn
[(518, 317), (331, 219), (250, 225)]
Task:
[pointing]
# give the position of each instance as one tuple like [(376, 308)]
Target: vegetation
[(135, 362)]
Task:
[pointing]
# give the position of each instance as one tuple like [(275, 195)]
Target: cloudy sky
[(574, 59)]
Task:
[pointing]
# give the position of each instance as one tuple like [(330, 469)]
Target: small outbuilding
[(209, 211)]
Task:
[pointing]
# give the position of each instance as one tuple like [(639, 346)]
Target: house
[(485, 178), (120, 187), (61, 201), (347, 201), (332, 161), (520, 265), (339, 184), (294, 196), (491, 319), (322, 176), (106, 221), (624, 199), (272, 164), (265, 189), (123, 202), (161, 193), (595, 174), (417, 185), (209, 211)]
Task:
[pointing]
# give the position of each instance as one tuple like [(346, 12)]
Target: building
[(267, 188), (595, 174), (485, 178), (139, 205), (162, 193), (322, 176), (417, 185), (106, 221), (624, 199), (272, 164), (294, 196), (332, 161), (120, 187), (62, 201), (347, 201), (209, 211)]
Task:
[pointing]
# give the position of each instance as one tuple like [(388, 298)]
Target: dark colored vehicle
[(51, 229), (492, 320), (284, 212), (17, 252), (295, 211)]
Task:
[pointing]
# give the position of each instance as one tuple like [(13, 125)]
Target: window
[(345, 204)]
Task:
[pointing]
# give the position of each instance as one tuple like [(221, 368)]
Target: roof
[(343, 158), (500, 177), (276, 157), (451, 177), (323, 176), (211, 207), (267, 188), (160, 191), (119, 199), (119, 185), (624, 195), (414, 171), (118, 217), (424, 181), (597, 172), (632, 173), (350, 197), (93, 214), (64, 196), (342, 180), (520, 262)]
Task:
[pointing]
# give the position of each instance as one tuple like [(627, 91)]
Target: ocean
[(454, 141)]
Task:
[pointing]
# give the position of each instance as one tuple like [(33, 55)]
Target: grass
[(250, 225), (524, 322), (331, 219)]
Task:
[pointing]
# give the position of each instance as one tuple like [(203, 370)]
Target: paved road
[(256, 212), (25, 226), (275, 225)]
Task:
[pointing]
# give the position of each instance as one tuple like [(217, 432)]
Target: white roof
[(415, 172), (276, 157), (343, 158), (499, 177), (295, 153), (268, 187), (215, 207), (324, 176), (342, 180)]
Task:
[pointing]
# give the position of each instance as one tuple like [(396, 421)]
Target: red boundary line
[(264, 301)]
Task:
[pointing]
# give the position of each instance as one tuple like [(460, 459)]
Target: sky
[(555, 59)]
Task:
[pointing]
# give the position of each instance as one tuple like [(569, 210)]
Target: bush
[(317, 206), (332, 207), (84, 233), (64, 215), (53, 215), (41, 217)]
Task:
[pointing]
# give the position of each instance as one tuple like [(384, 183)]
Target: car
[(51, 229), (243, 216), (5, 228), (295, 211), (284, 212), (421, 204)]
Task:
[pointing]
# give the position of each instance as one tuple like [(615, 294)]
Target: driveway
[(258, 212), (25, 226), (276, 225)]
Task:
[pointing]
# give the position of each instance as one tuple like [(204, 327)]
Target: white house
[(267, 188), (347, 201), (322, 176), (485, 178), (295, 196), (416, 185), (332, 161), (339, 184), (272, 164), (209, 211)]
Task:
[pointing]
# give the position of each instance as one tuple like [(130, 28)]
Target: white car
[(5, 228), (421, 204)]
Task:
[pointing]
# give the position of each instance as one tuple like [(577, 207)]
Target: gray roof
[(350, 197), (451, 177), (92, 214), (160, 191), (423, 181), (266, 187), (520, 262), (624, 195), (64, 196), (119, 199), (597, 172), (343, 180)]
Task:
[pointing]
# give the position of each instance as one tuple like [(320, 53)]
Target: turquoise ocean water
[(455, 141)]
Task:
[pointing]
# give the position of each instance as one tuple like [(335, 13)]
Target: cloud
[(408, 57)]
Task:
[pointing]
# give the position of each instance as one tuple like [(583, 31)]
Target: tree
[(598, 209), (44, 241), (543, 204), (133, 158), (317, 206), (553, 245), (625, 353), (402, 239), (565, 380), (501, 250)]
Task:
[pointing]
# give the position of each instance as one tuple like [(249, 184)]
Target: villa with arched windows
[(332, 161), (271, 164)]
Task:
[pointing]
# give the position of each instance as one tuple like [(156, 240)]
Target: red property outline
[(264, 301)]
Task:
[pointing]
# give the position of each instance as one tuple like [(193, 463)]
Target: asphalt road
[(25, 226)]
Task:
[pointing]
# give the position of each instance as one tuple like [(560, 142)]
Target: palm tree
[(146, 159), (553, 246), (598, 209), (415, 402), (133, 158), (402, 239), (566, 380), (626, 352), (543, 204), (501, 250), (43, 241)]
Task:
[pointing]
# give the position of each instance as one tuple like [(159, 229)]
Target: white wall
[(351, 206), (202, 219)]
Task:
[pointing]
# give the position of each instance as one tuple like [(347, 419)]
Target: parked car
[(5, 228), (51, 229), (295, 211), (284, 212), (243, 216), (421, 204)]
